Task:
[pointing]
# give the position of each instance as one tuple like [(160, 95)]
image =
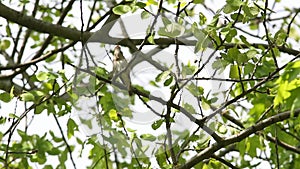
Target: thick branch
[(39, 25), (207, 153), (73, 34)]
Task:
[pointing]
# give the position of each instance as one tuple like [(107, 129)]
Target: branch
[(34, 61), (200, 123), (207, 153), (283, 144), (224, 162), (65, 140), (249, 90), (39, 25), (73, 34)]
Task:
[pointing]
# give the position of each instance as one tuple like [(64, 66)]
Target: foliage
[(247, 104)]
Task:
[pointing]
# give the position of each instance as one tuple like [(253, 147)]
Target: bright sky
[(42, 123)]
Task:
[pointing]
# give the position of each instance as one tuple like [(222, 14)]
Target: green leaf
[(254, 143), (151, 39), (254, 10), (160, 156), (284, 92), (11, 115), (188, 69), (253, 25), (171, 1), (232, 55), (230, 35), (113, 115), (27, 97), (40, 108), (172, 30), (251, 11), (126, 112), (141, 88), (11, 93), (3, 120), (54, 138), (100, 71), (48, 167), (145, 15), (51, 58), (231, 6), (198, 1), (294, 105), (202, 18), (157, 124), (220, 64), (107, 102), (244, 40), (235, 3), (4, 44), (168, 81), (63, 158), (248, 68), (121, 9), (241, 147), (22, 134), (222, 129), (134, 8), (242, 58), (189, 108), (195, 90), (280, 37), (148, 137), (214, 21), (153, 83), (71, 127), (86, 122), (257, 109), (198, 47), (291, 72), (166, 21), (42, 76), (237, 17), (151, 2), (5, 97), (48, 86), (162, 76), (203, 39), (228, 9), (54, 151), (234, 72), (140, 4), (295, 64), (251, 53)]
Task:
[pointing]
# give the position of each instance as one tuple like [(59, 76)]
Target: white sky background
[(42, 123)]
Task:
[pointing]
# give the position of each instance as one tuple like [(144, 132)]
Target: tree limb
[(39, 25), (207, 153), (73, 34)]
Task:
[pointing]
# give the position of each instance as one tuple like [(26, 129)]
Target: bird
[(120, 69)]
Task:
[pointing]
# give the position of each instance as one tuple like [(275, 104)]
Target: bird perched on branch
[(120, 69)]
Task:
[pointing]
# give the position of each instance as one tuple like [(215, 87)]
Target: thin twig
[(65, 140), (153, 24), (267, 34)]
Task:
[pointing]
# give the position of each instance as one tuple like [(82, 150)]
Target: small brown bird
[(120, 68)]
